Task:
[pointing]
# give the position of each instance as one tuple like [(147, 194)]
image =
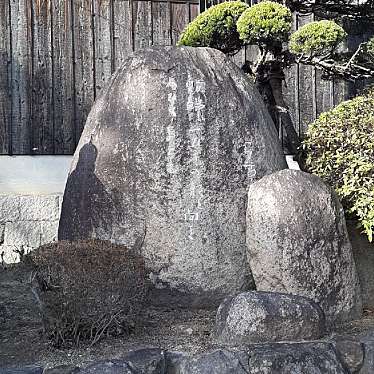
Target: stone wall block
[(23, 233), (9, 208), (35, 208)]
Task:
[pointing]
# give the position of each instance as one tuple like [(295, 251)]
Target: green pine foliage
[(340, 149), (317, 38), (216, 28), (266, 23)]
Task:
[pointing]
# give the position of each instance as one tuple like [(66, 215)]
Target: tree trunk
[(269, 80), (276, 77)]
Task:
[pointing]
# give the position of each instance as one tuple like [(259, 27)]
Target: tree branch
[(353, 9)]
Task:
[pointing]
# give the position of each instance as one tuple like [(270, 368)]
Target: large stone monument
[(165, 160)]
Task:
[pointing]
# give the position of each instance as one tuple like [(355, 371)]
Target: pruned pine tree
[(230, 26)]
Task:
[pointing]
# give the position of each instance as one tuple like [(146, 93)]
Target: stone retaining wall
[(26, 222)]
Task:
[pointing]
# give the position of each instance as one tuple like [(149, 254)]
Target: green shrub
[(317, 38), (215, 28), (87, 289), (340, 149), (266, 23)]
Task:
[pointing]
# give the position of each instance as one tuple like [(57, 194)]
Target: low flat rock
[(111, 367), (298, 243), (256, 317)]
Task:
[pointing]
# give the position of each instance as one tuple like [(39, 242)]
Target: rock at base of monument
[(210, 300), (110, 367), (31, 369), (298, 243), (62, 369), (147, 360), (316, 358), (351, 353), (259, 317)]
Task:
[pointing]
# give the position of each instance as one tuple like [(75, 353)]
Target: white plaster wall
[(31, 189), (33, 175)]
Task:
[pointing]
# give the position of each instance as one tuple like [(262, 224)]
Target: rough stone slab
[(258, 317), (22, 370), (351, 353), (9, 208), (173, 169), (110, 367), (147, 361), (298, 243), (368, 365), (38, 208), (304, 358), (221, 361), (63, 369)]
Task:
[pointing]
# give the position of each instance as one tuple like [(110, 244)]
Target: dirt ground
[(21, 340)]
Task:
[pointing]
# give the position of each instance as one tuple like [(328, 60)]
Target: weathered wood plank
[(103, 42), (5, 97), (63, 77), (123, 32), (179, 20), (42, 88), (161, 23), (21, 40), (323, 93), (306, 88), (142, 24), (194, 11), (291, 89), (84, 63)]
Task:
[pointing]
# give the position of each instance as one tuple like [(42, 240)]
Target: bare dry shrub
[(86, 290)]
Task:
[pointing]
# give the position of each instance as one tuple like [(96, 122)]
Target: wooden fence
[(56, 55)]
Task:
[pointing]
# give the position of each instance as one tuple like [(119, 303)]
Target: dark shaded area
[(89, 204)]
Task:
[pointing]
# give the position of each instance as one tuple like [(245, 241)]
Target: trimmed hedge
[(340, 149)]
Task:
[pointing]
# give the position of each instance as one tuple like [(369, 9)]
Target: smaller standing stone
[(259, 317), (298, 243)]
